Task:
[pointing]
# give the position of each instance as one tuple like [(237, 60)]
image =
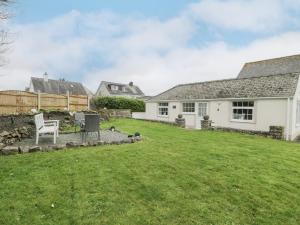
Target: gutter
[(215, 99)]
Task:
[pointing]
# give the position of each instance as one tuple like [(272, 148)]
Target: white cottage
[(249, 102)]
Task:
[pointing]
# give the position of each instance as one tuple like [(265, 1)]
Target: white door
[(202, 111)]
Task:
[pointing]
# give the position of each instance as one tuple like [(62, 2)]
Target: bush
[(134, 105)]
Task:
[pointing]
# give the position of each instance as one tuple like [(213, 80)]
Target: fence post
[(39, 100), (68, 96), (88, 103)]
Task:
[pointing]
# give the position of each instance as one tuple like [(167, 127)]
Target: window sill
[(162, 116), (242, 121), (188, 113)]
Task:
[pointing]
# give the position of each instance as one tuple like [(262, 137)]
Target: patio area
[(106, 136)]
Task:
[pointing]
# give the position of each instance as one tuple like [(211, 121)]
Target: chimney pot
[(46, 77)]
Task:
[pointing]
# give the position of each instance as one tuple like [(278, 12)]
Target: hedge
[(134, 105)]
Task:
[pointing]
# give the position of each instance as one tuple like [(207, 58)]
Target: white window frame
[(163, 105), (241, 106), (114, 87), (202, 109), (298, 114), (190, 107)]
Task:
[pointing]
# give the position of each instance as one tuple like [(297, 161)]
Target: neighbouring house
[(283, 65), (50, 86), (254, 101), (119, 90)]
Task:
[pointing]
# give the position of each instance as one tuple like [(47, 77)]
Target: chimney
[(45, 77), (130, 83)]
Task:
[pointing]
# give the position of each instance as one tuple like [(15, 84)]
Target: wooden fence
[(12, 102)]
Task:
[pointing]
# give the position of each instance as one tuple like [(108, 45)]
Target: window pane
[(243, 110), (245, 104), (202, 111), (163, 108), (188, 107)]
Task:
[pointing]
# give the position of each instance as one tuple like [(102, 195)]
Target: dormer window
[(114, 87)]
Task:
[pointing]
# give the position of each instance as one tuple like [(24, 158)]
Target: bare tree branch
[(4, 40)]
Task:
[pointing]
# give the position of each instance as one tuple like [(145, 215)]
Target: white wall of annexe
[(266, 112)]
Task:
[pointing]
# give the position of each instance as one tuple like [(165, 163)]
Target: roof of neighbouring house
[(284, 85), (129, 89), (57, 86), (283, 65)]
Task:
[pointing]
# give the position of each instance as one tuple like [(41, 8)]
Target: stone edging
[(159, 121), (13, 150)]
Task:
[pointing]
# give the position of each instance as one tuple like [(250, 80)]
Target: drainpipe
[(288, 119)]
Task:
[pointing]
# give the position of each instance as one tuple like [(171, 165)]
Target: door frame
[(198, 117)]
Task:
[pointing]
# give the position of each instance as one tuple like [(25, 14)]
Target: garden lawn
[(174, 176)]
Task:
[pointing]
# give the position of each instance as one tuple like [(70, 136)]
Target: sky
[(156, 44)]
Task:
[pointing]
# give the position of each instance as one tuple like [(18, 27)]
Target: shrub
[(206, 117), (134, 105)]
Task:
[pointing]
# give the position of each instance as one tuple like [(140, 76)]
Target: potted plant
[(206, 117)]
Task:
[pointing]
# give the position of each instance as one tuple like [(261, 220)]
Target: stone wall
[(160, 121), (8, 123), (206, 124), (277, 132), (252, 132), (17, 134), (180, 121)]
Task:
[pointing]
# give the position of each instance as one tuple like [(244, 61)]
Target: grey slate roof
[(129, 90), (57, 86), (284, 65), (267, 86)]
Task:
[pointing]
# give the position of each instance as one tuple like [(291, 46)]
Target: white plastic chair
[(46, 126)]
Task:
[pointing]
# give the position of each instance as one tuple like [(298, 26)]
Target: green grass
[(174, 176)]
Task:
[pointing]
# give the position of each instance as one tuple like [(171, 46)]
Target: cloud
[(246, 15), (218, 60), (155, 54)]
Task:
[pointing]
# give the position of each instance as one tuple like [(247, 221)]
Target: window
[(114, 87), (163, 109), (243, 110), (188, 107), (298, 114), (202, 109)]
